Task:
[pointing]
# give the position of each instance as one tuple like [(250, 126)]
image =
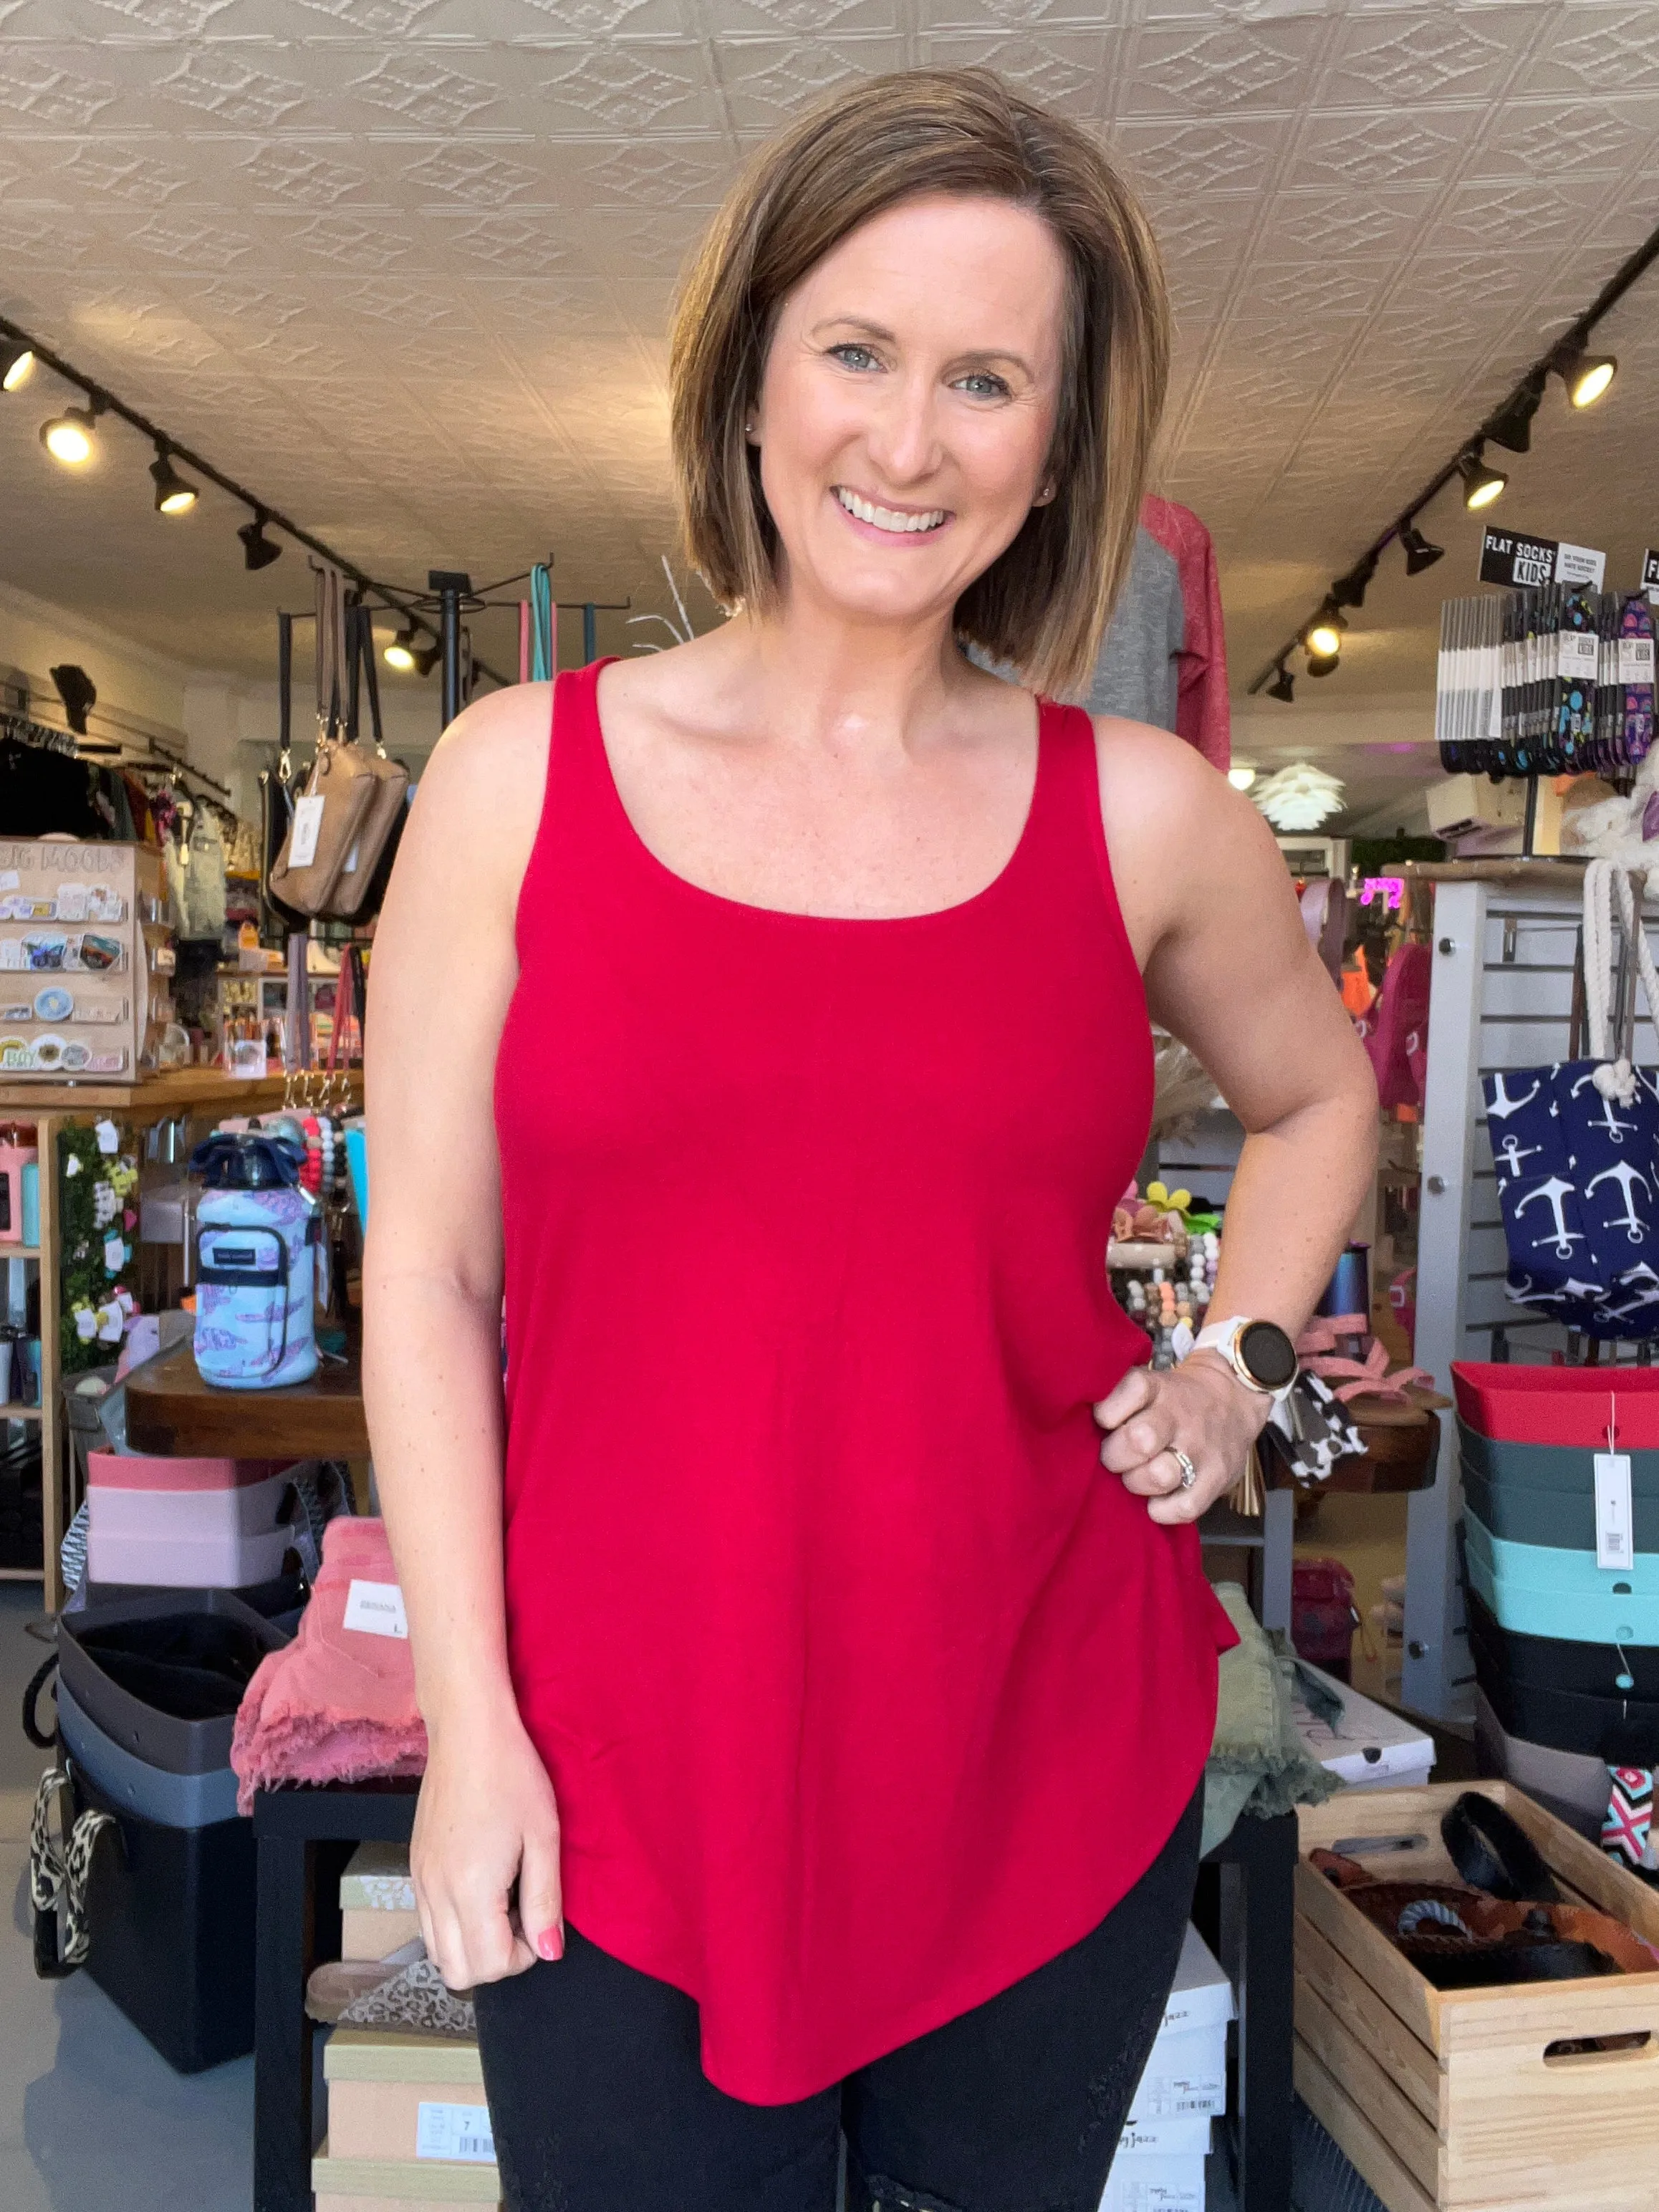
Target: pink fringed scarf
[(337, 1704)]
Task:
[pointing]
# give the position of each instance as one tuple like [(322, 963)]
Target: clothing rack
[(27, 731)]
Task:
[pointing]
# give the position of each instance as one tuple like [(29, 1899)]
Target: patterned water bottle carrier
[(257, 1232)]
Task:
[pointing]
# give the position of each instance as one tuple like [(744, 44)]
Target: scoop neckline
[(682, 885)]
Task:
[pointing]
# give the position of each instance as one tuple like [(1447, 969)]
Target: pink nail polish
[(550, 1942)]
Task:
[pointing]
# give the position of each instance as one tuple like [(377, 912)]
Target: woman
[(817, 1703)]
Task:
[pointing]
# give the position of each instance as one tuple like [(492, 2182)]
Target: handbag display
[(1576, 1149), (275, 801), (353, 797), (360, 886)]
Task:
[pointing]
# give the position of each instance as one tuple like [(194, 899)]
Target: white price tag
[(376, 1608), (455, 2131), (1636, 660), (1580, 652), (1615, 1542), (307, 826)]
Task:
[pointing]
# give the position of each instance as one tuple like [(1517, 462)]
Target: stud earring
[(1045, 495)]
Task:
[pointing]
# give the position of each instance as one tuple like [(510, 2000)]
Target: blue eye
[(982, 385), (853, 356)]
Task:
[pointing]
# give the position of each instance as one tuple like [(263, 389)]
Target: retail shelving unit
[(1505, 944), (201, 1094)]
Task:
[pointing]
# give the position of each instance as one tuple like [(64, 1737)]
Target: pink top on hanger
[(864, 1689)]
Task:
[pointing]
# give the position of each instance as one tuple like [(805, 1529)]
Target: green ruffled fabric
[(1258, 1763)]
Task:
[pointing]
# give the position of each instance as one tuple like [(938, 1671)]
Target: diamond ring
[(1188, 1472)]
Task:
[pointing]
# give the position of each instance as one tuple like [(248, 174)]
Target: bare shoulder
[(495, 751), (478, 806), (1178, 834)]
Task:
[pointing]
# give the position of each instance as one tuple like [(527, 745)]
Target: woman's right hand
[(486, 1821)]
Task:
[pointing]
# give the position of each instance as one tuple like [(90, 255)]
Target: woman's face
[(908, 405)]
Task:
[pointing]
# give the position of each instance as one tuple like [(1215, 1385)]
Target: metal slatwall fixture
[(1502, 998)]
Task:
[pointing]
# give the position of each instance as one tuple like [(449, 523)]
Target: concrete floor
[(91, 2118)]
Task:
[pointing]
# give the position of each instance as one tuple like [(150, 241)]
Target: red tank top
[(863, 1688)]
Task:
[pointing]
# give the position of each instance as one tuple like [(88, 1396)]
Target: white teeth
[(884, 518)]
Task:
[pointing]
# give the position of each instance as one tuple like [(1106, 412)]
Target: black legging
[(600, 2103)]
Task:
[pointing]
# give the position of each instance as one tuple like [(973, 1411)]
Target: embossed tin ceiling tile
[(1558, 138), (1493, 213), (1341, 287), (1236, 67), (1023, 15), (1197, 160), (1426, 56), (48, 88), (631, 241), (743, 19), (1062, 69), (1371, 224), (1361, 152), (1215, 229), (1597, 48), (765, 81)]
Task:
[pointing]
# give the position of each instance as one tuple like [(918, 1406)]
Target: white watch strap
[(1214, 1333)]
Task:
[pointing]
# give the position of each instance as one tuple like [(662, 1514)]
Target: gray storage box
[(133, 1720), (172, 1800)]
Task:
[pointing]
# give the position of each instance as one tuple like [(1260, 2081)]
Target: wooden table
[(170, 1409)]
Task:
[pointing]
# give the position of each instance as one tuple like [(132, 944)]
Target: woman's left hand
[(1200, 1408)]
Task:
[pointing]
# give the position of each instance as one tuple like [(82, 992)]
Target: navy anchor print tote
[(1579, 1188)]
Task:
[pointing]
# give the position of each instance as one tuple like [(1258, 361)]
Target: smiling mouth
[(902, 525)]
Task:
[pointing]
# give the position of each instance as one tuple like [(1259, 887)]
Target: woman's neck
[(822, 678)]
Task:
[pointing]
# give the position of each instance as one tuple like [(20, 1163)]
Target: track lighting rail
[(170, 486), (1586, 377)]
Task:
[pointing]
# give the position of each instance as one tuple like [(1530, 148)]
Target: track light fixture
[(1323, 640), (400, 654), (426, 659), (72, 436), (1283, 685), (1511, 426), (1586, 375), (17, 365), (1481, 485), (1349, 590), (258, 552), (1419, 552), (174, 495)]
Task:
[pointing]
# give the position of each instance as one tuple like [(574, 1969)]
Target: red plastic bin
[(1569, 1406)]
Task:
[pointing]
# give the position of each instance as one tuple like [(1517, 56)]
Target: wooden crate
[(1453, 2100)]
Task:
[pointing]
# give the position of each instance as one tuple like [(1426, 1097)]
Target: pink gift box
[(217, 1562), (145, 1471), (252, 1509)]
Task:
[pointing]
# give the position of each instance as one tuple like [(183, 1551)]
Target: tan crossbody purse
[(353, 797)]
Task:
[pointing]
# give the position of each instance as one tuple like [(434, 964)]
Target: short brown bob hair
[(1043, 605)]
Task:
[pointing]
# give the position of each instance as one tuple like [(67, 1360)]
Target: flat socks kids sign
[(1513, 558)]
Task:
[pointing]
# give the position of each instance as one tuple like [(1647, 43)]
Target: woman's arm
[(443, 974), (1210, 911)]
